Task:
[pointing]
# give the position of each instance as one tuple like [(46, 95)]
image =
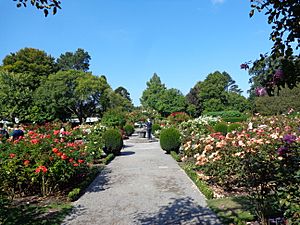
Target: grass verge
[(236, 210)]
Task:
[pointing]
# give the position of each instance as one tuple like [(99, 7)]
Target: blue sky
[(128, 40)]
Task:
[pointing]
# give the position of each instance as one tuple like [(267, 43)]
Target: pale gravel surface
[(142, 186)]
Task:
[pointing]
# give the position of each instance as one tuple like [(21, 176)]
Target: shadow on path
[(100, 182), (126, 153), (180, 211)]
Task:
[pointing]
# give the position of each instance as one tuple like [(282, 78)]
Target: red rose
[(80, 160), (64, 156), (12, 155), (55, 150), (26, 162)]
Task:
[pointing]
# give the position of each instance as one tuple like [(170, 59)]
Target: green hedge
[(113, 141), (170, 140)]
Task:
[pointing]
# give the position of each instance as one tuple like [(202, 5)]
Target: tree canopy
[(74, 61), (217, 92), (156, 96)]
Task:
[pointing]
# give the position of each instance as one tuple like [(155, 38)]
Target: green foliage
[(158, 97), (234, 126), (175, 156), (129, 129), (155, 127), (276, 105), (224, 114), (221, 127), (114, 118), (113, 141), (123, 92), (170, 140), (73, 195), (153, 92), (237, 210), (218, 92), (195, 106), (109, 158), (72, 92), (282, 15), (202, 186), (74, 61), (171, 100)]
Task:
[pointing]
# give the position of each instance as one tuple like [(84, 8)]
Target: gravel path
[(142, 186)]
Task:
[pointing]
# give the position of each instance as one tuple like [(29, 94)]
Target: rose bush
[(44, 161), (264, 161)]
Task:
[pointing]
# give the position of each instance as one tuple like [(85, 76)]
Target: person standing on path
[(149, 128)]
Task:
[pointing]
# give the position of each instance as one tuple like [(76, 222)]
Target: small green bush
[(221, 127), (155, 127), (233, 126), (170, 140), (129, 129), (113, 141)]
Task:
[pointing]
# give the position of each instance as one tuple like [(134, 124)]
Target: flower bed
[(45, 162), (264, 162)]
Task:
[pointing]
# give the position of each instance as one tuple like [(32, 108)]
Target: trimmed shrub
[(233, 126), (129, 129), (155, 127), (113, 141), (221, 127), (170, 140)]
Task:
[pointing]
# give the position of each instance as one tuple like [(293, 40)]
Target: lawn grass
[(32, 214), (237, 210)]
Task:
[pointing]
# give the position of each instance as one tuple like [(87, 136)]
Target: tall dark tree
[(123, 92), (193, 100), (80, 60)]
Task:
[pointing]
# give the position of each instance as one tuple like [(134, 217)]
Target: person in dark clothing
[(149, 128), (3, 132), (17, 133)]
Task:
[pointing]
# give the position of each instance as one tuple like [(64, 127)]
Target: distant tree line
[(36, 87)]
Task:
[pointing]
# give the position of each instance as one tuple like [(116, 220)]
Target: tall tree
[(194, 107), (74, 61), (15, 96), (172, 100), (30, 62), (219, 92), (73, 92), (155, 89), (123, 92)]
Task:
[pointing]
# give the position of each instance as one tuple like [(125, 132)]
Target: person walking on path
[(17, 133), (149, 128)]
